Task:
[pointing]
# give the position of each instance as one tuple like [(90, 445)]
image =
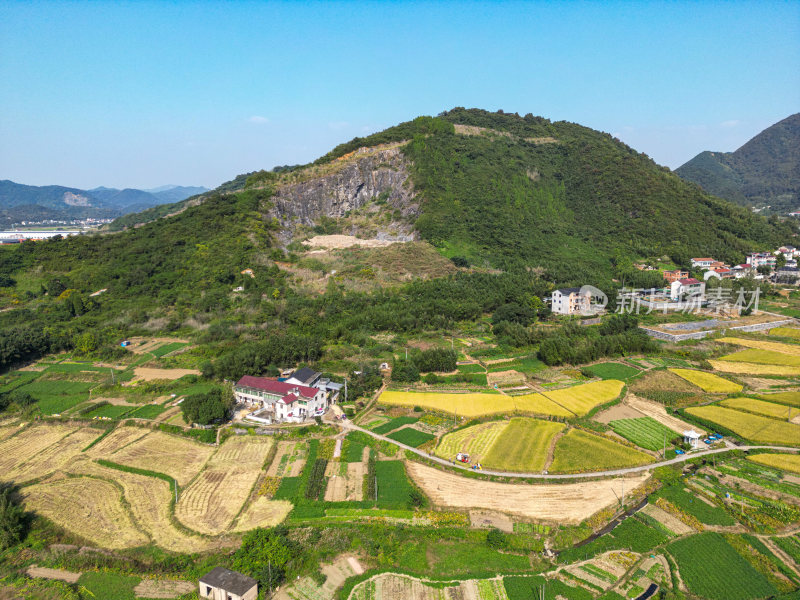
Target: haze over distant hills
[(20, 202), (765, 172)]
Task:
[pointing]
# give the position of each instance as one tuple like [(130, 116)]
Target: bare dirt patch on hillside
[(348, 486), (162, 588), (616, 412), (331, 242), (150, 374), (568, 503), (60, 574), (489, 519)]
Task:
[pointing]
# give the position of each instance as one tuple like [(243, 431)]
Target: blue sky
[(141, 94)]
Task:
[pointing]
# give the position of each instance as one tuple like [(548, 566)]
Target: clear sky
[(142, 94)]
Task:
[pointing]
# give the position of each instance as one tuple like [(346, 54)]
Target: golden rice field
[(523, 445), (787, 462), (580, 399), (475, 441), (577, 400), (164, 453), (792, 332), (788, 398), (218, 494), (89, 507), (580, 451), (791, 349), (753, 368), (708, 382), (749, 426), (760, 407), (763, 357)]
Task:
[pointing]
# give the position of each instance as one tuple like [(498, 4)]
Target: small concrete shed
[(224, 584)]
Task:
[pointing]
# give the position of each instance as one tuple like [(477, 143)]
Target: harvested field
[(140, 345), (768, 409), (149, 501), (262, 513), (29, 443), (289, 460), (346, 487), (579, 451), (90, 508), (489, 519), (475, 441), (763, 357), (786, 462), (164, 453), (566, 503), (662, 379), (728, 366), (163, 588), (671, 522), (659, 413), (616, 412), (791, 349), (523, 445), (708, 382), (216, 496), (117, 439), (505, 377), (8, 431), (749, 426), (580, 399), (148, 374), (54, 457)]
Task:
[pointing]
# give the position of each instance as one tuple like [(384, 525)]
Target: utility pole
[(269, 566), (114, 382), (406, 353), (345, 389), (665, 446)]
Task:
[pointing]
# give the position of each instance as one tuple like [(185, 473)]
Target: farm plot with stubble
[(791, 349), (749, 426), (54, 457), (29, 443), (216, 496), (89, 507), (523, 445), (567, 503), (708, 382), (744, 368), (164, 453), (579, 451)]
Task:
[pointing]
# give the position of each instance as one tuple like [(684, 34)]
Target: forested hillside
[(765, 172)]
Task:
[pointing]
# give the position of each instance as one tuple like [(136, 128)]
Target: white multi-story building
[(690, 288), (570, 301), (281, 400), (760, 259)]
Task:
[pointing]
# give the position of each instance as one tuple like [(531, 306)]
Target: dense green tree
[(204, 409), (13, 520)]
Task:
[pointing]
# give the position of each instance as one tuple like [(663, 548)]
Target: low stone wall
[(696, 335)]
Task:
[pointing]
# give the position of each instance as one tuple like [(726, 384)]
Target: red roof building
[(276, 388)]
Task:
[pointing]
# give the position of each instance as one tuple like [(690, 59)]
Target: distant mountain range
[(765, 172), (20, 202)]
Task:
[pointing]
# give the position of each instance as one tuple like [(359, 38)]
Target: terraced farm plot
[(167, 348), (645, 432), (90, 508), (30, 442), (262, 512), (347, 486), (393, 424), (708, 382), (523, 445), (411, 437), (109, 411), (763, 357), (164, 453), (760, 407), (711, 568), (790, 349), (53, 458), (120, 437), (148, 411), (743, 368), (288, 460), (539, 404), (465, 405), (791, 332), (691, 503), (787, 398), (581, 399), (613, 370), (579, 451), (217, 495), (786, 462), (56, 396), (565, 503), (149, 501), (751, 427), (475, 441)]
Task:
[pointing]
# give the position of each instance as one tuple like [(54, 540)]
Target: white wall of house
[(569, 304)]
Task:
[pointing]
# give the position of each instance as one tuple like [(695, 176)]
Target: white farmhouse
[(689, 287), (281, 400), (570, 301)]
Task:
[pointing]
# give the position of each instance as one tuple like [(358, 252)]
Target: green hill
[(765, 172)]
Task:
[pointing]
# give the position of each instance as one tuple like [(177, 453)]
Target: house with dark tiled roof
[(223, 584)]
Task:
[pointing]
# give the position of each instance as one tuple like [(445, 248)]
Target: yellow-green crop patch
[(788, 398), (749, 426), (523, 445), (467, 405), (708, 382), (580, 399), (791, 332), (475, 441), (746, 368), (768, 409), (540, 404), (787, 462), (579, 451), (792, 349), (763, 357)]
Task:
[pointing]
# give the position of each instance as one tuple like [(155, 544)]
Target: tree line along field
[(577, 400)]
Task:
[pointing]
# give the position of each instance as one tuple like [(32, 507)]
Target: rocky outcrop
[(370, 181)]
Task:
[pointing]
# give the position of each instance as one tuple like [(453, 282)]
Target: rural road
[(612, 473)]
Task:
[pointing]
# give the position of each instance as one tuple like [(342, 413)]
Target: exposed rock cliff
[(368, 191)]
